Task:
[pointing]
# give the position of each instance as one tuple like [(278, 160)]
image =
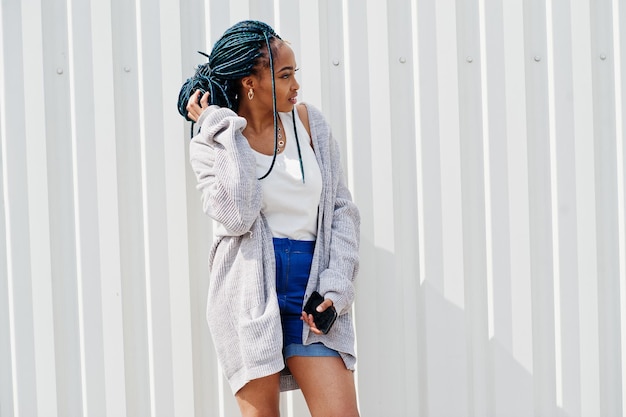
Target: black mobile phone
[(324, 320)]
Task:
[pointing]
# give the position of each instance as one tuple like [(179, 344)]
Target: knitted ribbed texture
[(242, 308)]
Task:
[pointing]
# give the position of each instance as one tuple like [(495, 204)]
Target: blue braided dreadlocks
[(234, 56)]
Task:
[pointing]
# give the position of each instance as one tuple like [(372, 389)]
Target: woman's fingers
[(324, 305), (193, 108), (308, 319), (204, 101)]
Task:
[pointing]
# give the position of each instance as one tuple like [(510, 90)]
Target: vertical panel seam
[(7, 220), (277, 16), (144, 199), (620, 187), (76, 203), (554, 201), (418, 144), (348, 93), (486, 167)]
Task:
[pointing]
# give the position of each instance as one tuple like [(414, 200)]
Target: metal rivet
[(127, 69), (469, 59), (602, 57), (402, 60), (537, 58), (335, 62), (59, 70)]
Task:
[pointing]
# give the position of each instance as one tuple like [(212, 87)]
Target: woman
[(285, 226)]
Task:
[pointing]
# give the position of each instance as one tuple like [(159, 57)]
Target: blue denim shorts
[(314, 349), (293, 265)]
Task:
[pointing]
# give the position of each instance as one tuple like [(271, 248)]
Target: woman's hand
[(308, 318), (194, 110)]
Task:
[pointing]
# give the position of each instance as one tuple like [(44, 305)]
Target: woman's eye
[(289, 74)]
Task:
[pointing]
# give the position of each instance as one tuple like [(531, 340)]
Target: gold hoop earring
[(250, 94)]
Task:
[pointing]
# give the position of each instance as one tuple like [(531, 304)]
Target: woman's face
[(285, 81)]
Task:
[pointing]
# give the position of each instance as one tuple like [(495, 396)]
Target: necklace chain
[(295, 132), (281, 142)]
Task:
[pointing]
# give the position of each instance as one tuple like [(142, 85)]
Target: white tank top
[(289, 204)]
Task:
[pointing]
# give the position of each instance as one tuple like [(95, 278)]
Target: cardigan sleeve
[(224, 165), (337, 281)]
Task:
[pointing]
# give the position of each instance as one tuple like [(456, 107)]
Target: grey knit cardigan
[(242, 307)]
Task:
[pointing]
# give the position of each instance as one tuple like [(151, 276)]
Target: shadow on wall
[(416, 350)]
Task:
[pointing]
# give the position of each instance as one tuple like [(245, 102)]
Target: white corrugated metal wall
[(484, 144)]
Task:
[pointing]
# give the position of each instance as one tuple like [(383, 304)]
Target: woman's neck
[(258, 120)]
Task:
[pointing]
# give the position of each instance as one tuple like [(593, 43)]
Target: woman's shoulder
[(303, 115), (309, 110), (313, 117)]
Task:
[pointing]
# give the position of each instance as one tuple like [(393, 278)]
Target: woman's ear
[(247, 83)]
